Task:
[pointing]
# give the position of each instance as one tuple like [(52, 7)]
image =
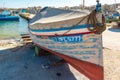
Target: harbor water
[(13, 29)]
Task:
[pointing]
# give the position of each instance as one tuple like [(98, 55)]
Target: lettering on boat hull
[(87, 47)]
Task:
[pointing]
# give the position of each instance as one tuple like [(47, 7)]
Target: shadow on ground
[(114, 29), (20, 64)]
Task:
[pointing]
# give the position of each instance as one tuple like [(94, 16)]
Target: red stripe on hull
[(61, 34), (92, 71)]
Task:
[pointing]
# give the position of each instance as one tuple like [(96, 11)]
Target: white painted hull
[(86, 47)]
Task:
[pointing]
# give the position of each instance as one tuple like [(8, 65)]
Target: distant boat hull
[(8, 18), (26, 16)]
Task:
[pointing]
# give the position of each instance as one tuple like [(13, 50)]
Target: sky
[(56, 3)]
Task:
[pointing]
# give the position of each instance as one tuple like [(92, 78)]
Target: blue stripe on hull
[(64, 28)]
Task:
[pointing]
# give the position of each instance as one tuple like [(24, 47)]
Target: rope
[(92, 19), (75, 25)]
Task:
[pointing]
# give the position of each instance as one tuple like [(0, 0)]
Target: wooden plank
[(26, 38), (24, 34), (28, 41)]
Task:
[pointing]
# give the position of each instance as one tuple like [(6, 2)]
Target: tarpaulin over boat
[(54, 17)]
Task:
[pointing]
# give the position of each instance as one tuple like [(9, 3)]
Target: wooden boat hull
[(86, 47), (92, 71), (69, 38), (82, 51)]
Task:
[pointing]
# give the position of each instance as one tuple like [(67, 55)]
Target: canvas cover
[(55, 17)]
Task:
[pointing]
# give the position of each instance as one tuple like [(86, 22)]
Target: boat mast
[(115, 6), (3, 4), (83, 2)]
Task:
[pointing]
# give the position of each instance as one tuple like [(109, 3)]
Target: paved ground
[(111, 54), (111, 38), (21, 64)]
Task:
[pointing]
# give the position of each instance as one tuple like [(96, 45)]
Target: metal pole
[(115, 5), (83, 4), (4, 4)]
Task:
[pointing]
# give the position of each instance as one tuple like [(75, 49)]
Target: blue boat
[(6, 16), (6, 12)]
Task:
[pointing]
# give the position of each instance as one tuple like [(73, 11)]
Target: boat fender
[(98, 6)]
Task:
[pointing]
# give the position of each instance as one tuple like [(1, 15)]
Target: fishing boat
[(75, 36), (6, 16)]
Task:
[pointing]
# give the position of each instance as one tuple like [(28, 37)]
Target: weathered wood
[(26, 38), (92, 71)]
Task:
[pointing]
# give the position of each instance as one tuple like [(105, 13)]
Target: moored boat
[(9, 18), (73, 35), (6, 16)]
